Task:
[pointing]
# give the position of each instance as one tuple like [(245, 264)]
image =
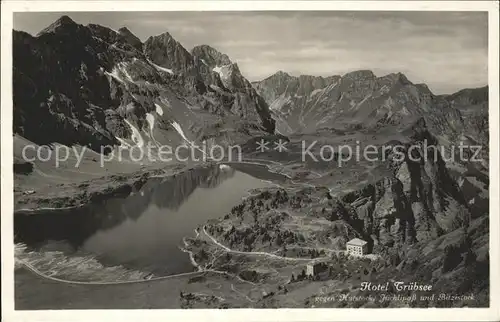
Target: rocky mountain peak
[(167, 52), (65, 20), (63, 24), (130, 37), (166, 39), (358, 95), (166, 36), (396, 77), (360, 75), (423, 88), (280, 74), (282, 82), (469, 96), (210, 56), (124, 30)]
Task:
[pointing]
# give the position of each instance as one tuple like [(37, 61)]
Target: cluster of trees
[(257, 204), (454, 254), (201, 255), (302, 276), (265, 195), (275, 219), (315, 253), (213, 229), (296, 202), (340, 272), (281, 197), (282, 288), (287, 237), (238, 210), (244, 238), (188, 299), (249, 275)]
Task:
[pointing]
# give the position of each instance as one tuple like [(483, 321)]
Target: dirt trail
[(260, 253)]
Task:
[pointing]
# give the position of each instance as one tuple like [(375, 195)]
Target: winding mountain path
[(227, 249)]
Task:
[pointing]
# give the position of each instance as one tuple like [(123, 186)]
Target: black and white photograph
[(250, 158)]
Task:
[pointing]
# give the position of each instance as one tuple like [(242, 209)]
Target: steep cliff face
[(473, 106), (94, 86), (230, 77), (291, 99), (419, 202), (213, 76)]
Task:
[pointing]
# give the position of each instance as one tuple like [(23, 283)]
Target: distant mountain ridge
[(360, 99)]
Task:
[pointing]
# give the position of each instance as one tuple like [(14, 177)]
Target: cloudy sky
[(446, 50)]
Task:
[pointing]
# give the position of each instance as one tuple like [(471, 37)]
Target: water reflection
[(144, 230)]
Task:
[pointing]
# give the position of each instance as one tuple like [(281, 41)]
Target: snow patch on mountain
[(114, 74), (159, 110), (166, 102), (167, 70), (218, 70), (384, 90), (405, 111), (123, 142), (179, 130), (121, 68), (151, 121), (222, 71), (316, 91), (136, 134), (362, 101), (279, 102), (119, 71)]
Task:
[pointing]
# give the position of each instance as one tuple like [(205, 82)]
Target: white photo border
[(233, 315)]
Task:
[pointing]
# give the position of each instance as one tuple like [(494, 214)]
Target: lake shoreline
[(71, 196), (135, 204)]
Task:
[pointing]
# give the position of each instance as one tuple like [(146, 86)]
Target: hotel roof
[(357, 242)]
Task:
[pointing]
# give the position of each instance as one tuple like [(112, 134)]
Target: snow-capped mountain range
[(94, 86)]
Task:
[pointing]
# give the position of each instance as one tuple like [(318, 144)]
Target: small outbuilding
[(357, 247), (312, 269)]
